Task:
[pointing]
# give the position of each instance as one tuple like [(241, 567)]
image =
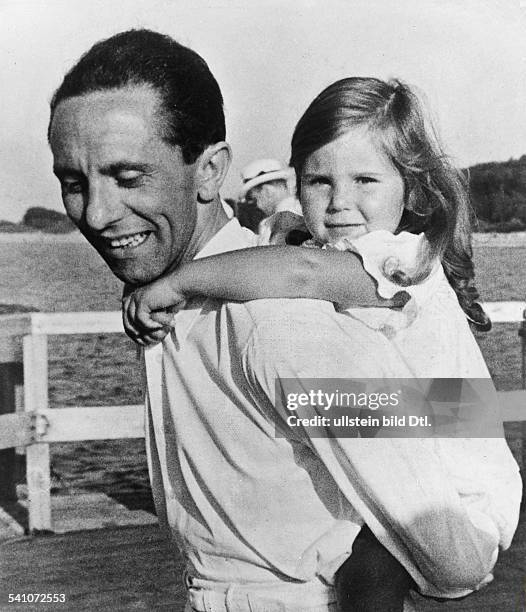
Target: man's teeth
[(129, 241)]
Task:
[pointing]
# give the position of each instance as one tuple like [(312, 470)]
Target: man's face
[(129, 192)]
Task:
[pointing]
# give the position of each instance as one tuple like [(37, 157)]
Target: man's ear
[(214, 163)]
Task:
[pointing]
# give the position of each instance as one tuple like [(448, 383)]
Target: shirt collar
[(230, 237)]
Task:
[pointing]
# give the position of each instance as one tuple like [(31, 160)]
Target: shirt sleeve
[(383, 253), (400, 487)]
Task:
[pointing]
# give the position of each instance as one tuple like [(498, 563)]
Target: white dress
[(431, 333), (434, 340)]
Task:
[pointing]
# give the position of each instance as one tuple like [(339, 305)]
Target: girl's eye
[(71, 187), (318, 180), (364, 180)]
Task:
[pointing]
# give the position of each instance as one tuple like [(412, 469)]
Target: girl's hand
[(147, 311)]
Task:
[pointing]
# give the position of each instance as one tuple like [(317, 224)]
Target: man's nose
[(102, 208)]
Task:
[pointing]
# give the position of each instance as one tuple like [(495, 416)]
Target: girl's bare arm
[(248, 274), (273, 272)]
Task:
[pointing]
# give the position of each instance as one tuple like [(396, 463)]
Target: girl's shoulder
[(398, 262), (382, 243)]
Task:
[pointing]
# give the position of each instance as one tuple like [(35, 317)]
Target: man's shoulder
[(264, 320), (283, 311), (230, 237), (309, 334)]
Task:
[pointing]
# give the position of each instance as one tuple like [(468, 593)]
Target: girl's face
[(349, 187)]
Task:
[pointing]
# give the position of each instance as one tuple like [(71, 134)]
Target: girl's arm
[(279, 272), (248, 274)]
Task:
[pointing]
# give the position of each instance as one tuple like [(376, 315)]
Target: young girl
[(373, 182), (435, 203)]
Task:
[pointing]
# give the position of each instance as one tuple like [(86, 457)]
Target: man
[(266, 187), (264, 521)]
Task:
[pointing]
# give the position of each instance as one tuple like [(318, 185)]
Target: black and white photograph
[(263, 305)]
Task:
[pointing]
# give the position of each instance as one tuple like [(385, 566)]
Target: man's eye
[(130, 180)]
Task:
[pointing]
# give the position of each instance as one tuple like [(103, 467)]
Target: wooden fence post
[(37, 455)]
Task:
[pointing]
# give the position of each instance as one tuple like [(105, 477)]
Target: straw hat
[(262, 171)]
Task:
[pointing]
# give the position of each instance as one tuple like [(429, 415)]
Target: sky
[(271, 57)]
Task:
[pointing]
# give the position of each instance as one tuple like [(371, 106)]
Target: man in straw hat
[(266, 186)]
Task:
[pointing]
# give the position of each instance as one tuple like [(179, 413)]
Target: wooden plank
[(135, 568), (94, 423), (121, 569), (37, 455), (103, 322), (38, 487), (114, 422), (111, 322), (35, 373), (94, 511), (505, 312)]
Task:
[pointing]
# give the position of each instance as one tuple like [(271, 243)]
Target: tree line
[(40, 219), (498, 195)]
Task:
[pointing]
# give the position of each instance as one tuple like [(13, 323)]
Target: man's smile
[(131, 240), (122, 242)]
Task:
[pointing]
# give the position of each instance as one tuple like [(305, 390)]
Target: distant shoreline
[(490, 239)]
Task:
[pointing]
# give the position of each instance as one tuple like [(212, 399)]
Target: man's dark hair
[(190, 96)]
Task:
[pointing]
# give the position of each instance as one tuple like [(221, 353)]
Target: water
[(57, 275), (500, 277)]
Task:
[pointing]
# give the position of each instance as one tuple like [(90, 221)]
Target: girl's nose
[(342, 199)]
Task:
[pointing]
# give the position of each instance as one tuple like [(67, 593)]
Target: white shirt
[(228, 209), (246, 506)]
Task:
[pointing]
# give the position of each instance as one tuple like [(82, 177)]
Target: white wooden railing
[(31, 424), (26, 420)]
